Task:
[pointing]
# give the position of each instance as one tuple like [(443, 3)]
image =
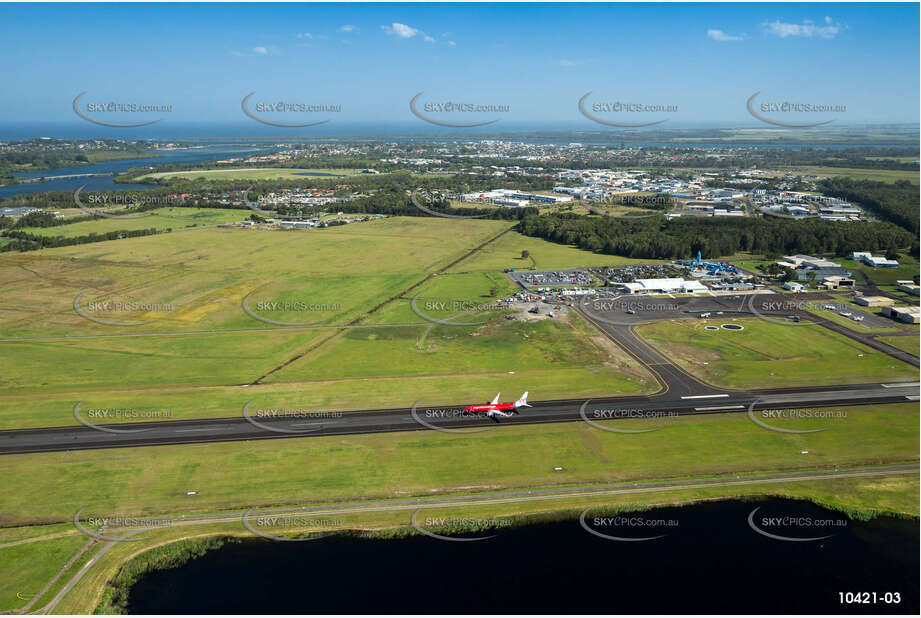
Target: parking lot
[(626, 274), (552, 278)]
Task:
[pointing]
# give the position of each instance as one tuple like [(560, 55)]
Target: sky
[(702, 60)]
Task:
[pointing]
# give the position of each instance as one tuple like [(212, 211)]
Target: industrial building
[(910, 315), (870, 260), (874, 301), (806, 264), (512, 198), (836, 282), (662, 286)]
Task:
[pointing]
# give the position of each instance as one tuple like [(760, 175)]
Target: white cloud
[(260, 50), (719, 35), (406, 32), (304, 35), (401, 30), (347, 28), (452, 44), (806, 29)]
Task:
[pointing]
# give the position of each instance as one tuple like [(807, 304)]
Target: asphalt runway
[(651, 409), (680, 394)]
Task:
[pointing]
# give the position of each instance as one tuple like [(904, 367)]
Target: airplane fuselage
[(489, 407)]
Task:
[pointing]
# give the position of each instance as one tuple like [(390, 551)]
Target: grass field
[(907, 268), (506, 253), (195, 347), (909, 344), (766, 355), (755, 266), (161, 219), (541, 356), (50, 488), (855, 173), (26, 568), (884, 494), (254, 173)]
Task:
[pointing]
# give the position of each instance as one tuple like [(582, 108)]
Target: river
[(184, 156)]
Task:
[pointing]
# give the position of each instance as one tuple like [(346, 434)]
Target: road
[(609, 315)]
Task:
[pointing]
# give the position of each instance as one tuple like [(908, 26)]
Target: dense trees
[(897, 202), (22, 241), (656, 238)]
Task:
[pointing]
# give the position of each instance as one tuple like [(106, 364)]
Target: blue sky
[(538, 59)]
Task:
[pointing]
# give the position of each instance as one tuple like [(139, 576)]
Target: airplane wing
[(495, 399)]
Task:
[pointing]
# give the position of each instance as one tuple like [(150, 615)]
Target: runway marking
[(901, 385), (720, 408), (912, 397), (191, 430), (704, 396)]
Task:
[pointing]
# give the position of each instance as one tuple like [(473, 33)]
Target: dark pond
[(708, 558)]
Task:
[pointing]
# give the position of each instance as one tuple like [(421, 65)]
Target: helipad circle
[(732, 327)]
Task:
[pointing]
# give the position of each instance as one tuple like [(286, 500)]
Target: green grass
[(856, 497), (911, 159), (547, 357), (766, 355), (903, 298), (203, 275), (855, 173), (256, 173), (907, 343), (161, 219), (28, 567), (47, 488), (190, 360), (108, 155), (434, 364), (506, 253), (755, 266), (907, 268)]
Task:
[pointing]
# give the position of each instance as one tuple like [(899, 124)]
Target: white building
[(663, 286), (870, 260)]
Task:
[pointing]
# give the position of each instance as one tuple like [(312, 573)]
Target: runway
[(680, 394), (653, 410)]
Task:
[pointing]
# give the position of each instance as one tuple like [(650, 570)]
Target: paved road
[(609, 315)]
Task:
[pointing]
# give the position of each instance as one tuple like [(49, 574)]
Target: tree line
[(24, 241), (891, 201), (657, 238)]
